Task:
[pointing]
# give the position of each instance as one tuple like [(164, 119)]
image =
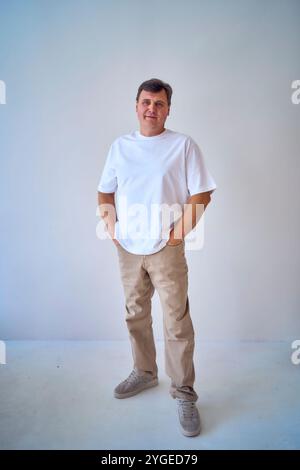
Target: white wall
[(71, 71)]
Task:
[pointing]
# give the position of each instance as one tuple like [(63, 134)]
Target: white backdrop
[(71, 71)]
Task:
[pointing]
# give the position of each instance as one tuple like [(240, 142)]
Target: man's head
[(153, 103)]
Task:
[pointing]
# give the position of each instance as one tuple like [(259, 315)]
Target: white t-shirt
[(146, 173)]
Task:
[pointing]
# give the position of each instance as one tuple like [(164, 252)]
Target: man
[(147, 169)]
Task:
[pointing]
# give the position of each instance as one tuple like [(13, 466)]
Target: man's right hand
[(111, 232)]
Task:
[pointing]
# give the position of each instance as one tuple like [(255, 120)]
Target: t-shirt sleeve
[(199, 179), (108, 180)]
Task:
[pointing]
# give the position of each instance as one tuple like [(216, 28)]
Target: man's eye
[(146, 103)]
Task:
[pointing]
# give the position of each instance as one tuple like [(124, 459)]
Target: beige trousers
[(167, 272)]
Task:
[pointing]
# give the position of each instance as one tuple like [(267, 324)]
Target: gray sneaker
[(135, 383), (188, 417)]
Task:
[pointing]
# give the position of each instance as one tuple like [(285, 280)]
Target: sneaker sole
[(153, 383), (191, 433)]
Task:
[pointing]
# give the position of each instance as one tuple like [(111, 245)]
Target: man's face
[(152, 111)]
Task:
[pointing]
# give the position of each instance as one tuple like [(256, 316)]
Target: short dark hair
[(155, 85)]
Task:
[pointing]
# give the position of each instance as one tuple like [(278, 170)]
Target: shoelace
[(133, 376), (187, 408)]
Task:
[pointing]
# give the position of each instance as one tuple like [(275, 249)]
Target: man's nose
[(152, 107)]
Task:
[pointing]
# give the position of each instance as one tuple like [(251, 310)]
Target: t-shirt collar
[(153, 137)]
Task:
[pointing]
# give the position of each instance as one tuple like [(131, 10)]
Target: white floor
[(59, 395)]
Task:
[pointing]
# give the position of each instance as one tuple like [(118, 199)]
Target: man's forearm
[(192, 213)]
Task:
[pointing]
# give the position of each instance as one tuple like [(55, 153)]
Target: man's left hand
[(174, 241)]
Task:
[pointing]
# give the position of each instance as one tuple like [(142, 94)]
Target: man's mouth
[(152, 117)]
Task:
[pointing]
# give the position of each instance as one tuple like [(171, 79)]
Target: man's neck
[(149, 133)]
